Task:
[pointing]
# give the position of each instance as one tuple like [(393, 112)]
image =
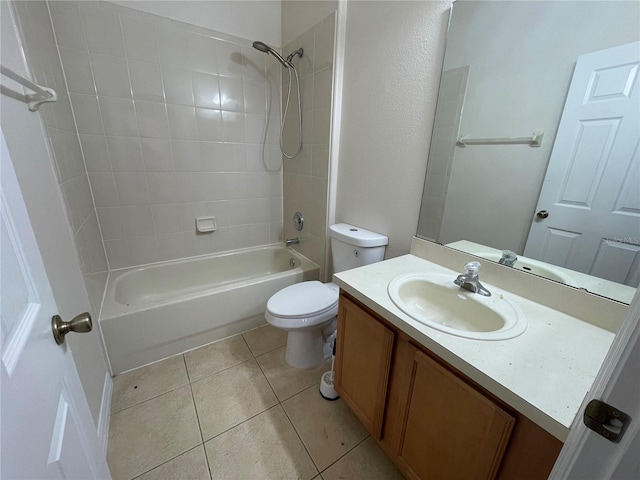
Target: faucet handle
[(472, 268)]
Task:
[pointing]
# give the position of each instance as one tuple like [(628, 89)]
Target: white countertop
[(544, 373)]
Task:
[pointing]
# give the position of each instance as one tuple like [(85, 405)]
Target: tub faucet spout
[(291, 241)]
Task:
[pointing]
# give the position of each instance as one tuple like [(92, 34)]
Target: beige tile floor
[(235, 410)]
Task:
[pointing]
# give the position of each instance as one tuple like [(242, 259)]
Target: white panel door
[(46, 425), (592, 186)]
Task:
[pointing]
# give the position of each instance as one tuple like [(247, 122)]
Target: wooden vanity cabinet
[(431, 420), (362, 373)]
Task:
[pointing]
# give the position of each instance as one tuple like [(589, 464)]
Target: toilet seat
[(303, 300), (302, 306)]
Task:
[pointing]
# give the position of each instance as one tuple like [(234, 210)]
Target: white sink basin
[(434, 300)]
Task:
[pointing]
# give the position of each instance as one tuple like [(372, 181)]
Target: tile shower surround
[(66, 153), (305, 178), (171, 121)]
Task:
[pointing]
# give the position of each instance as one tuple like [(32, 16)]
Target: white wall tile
[(253, 65), (171, 246), (254, 128), (182, 122), (161, 188), (215, 186), (137, 220), (104, 189), (152, 119), (167, 217), (229, 56), (117, 253), (223, 157), (87, 112), (67, 23), (202, 52), (96, 155), (125, 154), (186, 155), (103, 32), (254, 97), (197, 243), (132, 188), (78, 71), (139, 39), (231, 94), (118, 117), (111, 76), (143, 250), (220, 210), (111, 223), (178, 85), (146, 81), (233, 127), (189, 212), (173, 47), (157, 155), (209, 124), (260, 233), (206, 90)]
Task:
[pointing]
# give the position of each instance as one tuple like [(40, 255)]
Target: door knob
[(542, 214), (80, 323)]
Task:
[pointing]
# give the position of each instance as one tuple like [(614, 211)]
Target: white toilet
[(309, 310)]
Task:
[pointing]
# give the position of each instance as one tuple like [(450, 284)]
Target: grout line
[(298, 434), (195, 407), (345, 454), (167, 461), (150, 398)]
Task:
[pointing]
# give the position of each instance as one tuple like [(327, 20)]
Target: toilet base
[(307, 348)]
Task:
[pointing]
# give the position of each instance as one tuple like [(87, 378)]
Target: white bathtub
[(156, 311)]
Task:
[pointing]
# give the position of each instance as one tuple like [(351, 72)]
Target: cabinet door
[(449, 429), (363, 358)]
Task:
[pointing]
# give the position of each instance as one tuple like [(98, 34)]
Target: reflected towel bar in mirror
[(534, 140)]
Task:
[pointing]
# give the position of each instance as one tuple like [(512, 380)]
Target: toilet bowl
[(308, 311)]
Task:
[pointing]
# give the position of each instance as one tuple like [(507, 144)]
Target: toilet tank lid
[(357, 236)]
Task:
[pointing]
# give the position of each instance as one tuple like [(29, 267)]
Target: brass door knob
[(80, 323), (542, 214)]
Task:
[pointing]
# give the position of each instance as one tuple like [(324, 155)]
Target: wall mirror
[(536, 141)]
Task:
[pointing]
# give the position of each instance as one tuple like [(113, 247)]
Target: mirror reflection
[(535, 147)]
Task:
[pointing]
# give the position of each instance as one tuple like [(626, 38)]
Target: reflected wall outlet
[(206, 224)]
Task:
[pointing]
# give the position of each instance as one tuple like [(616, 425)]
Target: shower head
[(263, 47)]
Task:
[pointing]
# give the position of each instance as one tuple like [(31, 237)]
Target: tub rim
[(114, 275)]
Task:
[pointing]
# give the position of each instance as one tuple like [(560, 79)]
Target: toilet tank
[(353, 247)]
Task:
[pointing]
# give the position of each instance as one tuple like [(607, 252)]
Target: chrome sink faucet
[(291, 241), (469, 280), (508, 258)]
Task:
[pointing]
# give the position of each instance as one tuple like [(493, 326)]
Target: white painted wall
[(298, 16), (392, 69), (252, 19), (518, 79)]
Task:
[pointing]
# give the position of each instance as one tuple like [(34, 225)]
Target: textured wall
[(391, 75)]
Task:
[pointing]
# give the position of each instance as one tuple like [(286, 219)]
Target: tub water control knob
[(298, 221), (80, 323)]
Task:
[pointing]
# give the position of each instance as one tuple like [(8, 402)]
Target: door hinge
[(606, 420)]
